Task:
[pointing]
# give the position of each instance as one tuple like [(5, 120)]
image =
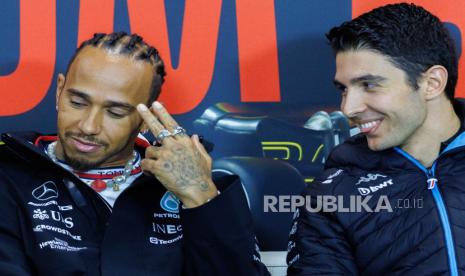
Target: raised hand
[(181, 163)]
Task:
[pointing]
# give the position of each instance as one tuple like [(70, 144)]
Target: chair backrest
[(234, 133), (305, 149), (290, 142), (262, 177)]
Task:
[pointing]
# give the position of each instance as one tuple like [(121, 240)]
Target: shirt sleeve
[(317, 242), (13, 260), (219, 237)]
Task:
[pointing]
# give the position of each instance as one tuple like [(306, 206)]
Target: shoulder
[(355, 153), (16, 166), (348, 163), (331, 181), (19, 149), (8, 158)]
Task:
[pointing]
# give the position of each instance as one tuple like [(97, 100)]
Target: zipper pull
[(431, 182)]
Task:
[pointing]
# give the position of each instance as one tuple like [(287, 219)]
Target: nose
[(353, 103), (91, 122)]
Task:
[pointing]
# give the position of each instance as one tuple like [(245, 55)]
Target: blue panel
[(121, 20), (305, 59), (174, 17), (9, 32), (456, 35)]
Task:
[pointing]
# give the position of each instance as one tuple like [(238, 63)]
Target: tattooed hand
[(181, 164)]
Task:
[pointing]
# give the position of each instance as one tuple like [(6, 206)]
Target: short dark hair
[(412, 38), (131, 45)]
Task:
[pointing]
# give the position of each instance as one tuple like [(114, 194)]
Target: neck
[(441, 123)]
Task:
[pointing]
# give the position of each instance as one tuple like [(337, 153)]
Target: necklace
[(99, 185)]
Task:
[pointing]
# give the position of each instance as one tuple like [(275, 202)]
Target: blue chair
[(260, 177)]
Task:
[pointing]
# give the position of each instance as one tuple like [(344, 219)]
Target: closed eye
[(117, 113), (77, 103), (77, 99)]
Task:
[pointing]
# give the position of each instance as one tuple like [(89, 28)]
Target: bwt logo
[(375, 188)]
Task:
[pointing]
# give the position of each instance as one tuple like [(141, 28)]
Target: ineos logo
[(46, 191)]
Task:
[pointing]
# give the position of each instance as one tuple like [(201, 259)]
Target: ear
[(60, 85), (435, 79)]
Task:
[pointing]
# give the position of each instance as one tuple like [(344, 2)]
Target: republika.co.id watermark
[(342, 204)]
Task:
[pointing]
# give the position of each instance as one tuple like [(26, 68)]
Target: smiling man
[(96, 101), (97, 199), (396, 68)]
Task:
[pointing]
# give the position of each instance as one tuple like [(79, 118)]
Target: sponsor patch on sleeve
[(331, 175)]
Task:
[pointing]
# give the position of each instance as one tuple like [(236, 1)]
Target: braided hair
[(131, 45)]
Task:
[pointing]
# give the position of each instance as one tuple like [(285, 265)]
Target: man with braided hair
[(97, 199)]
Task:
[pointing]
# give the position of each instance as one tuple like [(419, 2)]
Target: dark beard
[(81, 165), (76, 163)]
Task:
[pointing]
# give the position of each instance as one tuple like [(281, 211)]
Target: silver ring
[(163, 134), (178, 131)]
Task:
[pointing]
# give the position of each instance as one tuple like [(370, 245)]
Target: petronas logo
[(170, 203)]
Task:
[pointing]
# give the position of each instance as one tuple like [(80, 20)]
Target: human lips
[(369, 127), (85, 146)]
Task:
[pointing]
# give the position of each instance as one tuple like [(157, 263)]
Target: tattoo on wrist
[(204, 186), (187, 169)]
